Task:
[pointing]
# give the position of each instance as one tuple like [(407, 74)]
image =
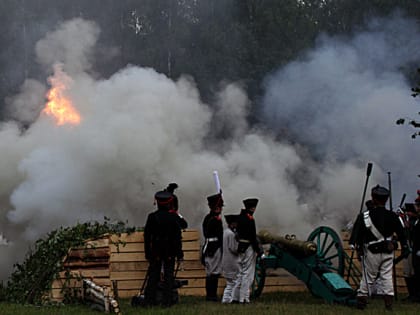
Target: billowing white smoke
[(341, 101), (141, 131)]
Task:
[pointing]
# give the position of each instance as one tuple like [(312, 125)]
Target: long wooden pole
[(368, 172)]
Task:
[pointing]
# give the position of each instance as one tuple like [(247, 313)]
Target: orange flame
[(59, 106)]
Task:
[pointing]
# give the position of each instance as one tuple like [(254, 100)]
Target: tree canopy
[(212, 41)]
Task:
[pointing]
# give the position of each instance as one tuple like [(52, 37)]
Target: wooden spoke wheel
[(330, 253)]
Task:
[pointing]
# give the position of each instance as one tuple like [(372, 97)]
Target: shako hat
[(250, 203), (231, 218), (215, 201), (171, 187), (163, 197), (380, 191)]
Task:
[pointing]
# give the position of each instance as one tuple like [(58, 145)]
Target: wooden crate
[(128, 264), (90, 261)]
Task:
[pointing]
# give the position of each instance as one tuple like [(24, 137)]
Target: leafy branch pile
[(31, 279)]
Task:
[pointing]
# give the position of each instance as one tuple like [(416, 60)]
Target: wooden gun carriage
[(319, 262)]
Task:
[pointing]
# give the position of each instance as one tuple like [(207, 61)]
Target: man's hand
[(359, 251), (405, 252), (262, 260), (181, 264)]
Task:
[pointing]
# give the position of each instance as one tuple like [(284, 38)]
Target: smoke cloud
[(340, 101), (324, 117)]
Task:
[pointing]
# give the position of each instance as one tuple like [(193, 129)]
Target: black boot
[(208, 288), (361, 302), (215, 286), (388, 300), (411, 288), (416, 288), (211, 287)]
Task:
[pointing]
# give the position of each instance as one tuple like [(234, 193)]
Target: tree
[(414, 123)]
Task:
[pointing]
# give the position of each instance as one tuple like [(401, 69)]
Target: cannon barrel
[(294, 246)]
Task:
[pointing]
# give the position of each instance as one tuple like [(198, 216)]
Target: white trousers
[(376, 270), (408, 270), (214, 263), (229, 290), (246, 275)]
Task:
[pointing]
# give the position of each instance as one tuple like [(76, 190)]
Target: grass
[(269, 303)]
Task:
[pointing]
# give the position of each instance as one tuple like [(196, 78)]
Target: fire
[(59, 105)]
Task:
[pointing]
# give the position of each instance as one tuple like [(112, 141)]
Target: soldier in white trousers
[(248, 249), (230, 260), (373, 237)]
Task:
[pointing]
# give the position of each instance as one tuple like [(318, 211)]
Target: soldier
[(162, 246), (248, 249), (416, 250), (372, 235), (212, 248), (230, 260), (409, 217)]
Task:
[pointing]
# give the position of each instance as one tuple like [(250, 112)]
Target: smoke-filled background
[(321, 119)]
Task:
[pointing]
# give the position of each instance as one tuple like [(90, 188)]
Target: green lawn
[(273, 303)]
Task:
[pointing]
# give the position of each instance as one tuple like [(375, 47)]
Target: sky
[(323, 117)]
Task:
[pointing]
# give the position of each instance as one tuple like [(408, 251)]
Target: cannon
[(319, 262)]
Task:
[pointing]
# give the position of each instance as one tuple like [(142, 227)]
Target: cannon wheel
[(330, 252), (259, 279)]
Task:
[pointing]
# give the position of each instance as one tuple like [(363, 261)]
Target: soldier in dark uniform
[(248, 248), (212, 248), (162, 246), (372, 236), (408, 217), (416, 250)]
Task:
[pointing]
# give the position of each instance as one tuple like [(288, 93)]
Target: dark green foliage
[(415, 123), (32, 279)]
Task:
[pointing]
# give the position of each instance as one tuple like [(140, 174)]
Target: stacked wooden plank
[(128, 264), (118, 263), (90, 261)]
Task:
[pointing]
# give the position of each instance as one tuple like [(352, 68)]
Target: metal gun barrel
[(298, 247)]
